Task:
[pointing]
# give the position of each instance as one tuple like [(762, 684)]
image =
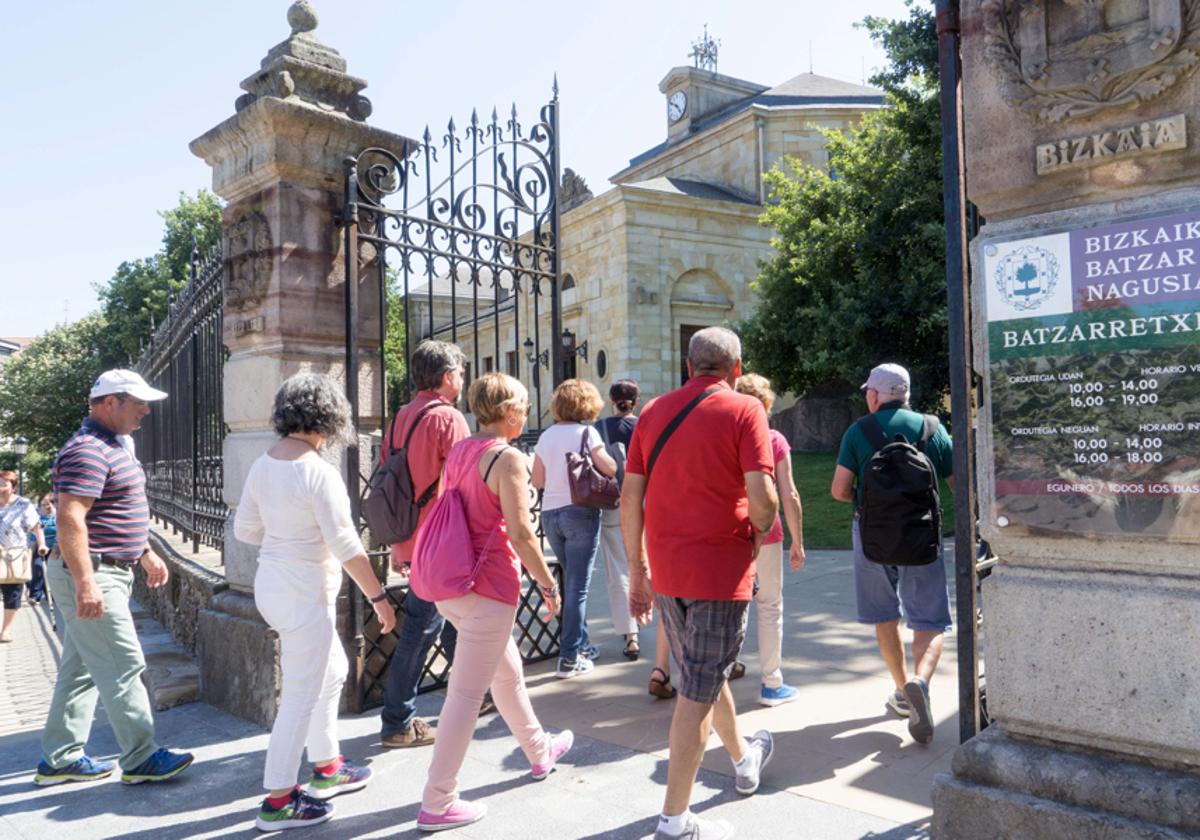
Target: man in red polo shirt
[(709, 500), (437, 369)]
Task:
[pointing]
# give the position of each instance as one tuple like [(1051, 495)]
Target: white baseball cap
[(888, 380), (120, 381)]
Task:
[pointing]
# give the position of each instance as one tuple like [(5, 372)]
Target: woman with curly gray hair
[(295, 506)]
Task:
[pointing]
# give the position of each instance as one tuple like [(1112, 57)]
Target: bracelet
[(381, 596), (549, 592)]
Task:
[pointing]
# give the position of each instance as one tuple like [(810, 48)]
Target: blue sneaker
[(777, 696), (83, 770), (159, 767)]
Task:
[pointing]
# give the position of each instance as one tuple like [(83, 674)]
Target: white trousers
[(768, 605), (616, 570), (314, 668)]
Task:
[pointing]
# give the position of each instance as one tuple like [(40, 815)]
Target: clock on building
[(676, 106)]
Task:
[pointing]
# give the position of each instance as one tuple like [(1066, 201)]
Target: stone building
[(675, 243)]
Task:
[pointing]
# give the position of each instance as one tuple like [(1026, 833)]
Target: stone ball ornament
[(302, 17)]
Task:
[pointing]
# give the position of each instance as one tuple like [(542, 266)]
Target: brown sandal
[(661, 687)]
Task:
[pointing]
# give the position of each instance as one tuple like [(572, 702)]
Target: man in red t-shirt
[(437, 369), (709, 500)]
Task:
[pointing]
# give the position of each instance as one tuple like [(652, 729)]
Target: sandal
[(632, 650), (661, 687), (738, 670)]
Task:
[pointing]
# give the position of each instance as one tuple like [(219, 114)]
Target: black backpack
[(392, 507), (900, 511)]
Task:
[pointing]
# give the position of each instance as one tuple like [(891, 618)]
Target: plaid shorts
[(705, 639)]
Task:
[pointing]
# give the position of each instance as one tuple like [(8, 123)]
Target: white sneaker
[(898, 703), (758, 754), (699, 829), (581, 665)]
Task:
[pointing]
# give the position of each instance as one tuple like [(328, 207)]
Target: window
[(488, 364), (511, 363), (568, 282)]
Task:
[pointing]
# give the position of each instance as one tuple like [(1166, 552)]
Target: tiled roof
[(695, 189)]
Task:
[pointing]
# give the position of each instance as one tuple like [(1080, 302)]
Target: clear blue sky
[(102, 98)]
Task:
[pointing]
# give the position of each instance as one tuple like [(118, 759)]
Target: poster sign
[(1094, 354)]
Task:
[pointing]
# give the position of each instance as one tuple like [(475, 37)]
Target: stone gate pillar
[(278, 163), (1082, 156)]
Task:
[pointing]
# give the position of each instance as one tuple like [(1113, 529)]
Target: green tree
[(393, 346), (43, 390), (858, 274), (137, 296)]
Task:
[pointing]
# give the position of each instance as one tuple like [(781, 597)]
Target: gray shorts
[(883, 592), (705, 638)]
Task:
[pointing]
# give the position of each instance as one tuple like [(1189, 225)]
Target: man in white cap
[(103, 532), (881, 590)]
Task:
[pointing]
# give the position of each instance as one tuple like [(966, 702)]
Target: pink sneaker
[(559, 744), (461, 812)]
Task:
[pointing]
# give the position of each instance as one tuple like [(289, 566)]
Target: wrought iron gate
[(462, 232)]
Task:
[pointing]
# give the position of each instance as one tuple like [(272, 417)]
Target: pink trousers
[(486, 655)]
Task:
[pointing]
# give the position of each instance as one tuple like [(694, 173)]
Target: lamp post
[(568, 343), (21, 446)]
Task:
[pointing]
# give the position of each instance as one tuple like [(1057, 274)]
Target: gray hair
[(432, 360), (714, 351), (312, 403)]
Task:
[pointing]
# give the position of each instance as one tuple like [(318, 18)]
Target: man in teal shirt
[(883, 591)]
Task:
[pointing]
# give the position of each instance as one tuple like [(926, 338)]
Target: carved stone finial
[(301, 17)]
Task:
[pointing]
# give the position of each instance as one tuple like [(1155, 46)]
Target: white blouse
[(299, 512)]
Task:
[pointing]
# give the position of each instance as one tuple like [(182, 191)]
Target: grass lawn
[(827, 522)]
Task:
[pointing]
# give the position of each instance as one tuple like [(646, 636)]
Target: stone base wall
[(817, 421), (190, 589), (239, 659), (1005, 787)]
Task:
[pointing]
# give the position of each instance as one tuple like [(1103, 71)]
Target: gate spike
[(450, 125), (427, 136), (474, 118), (555, 88), (495, 114)]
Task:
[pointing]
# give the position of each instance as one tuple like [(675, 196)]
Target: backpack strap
[(873, 430), (673, 425), (928, 430), (431, 490)]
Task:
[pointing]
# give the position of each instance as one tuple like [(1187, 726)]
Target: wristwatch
[(380, 597)]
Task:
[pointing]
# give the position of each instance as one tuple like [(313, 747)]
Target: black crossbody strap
[(873, 430), (673, 425), (488, 471), (417, 421)]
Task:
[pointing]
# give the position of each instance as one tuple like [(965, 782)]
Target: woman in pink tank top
[(493, 479)]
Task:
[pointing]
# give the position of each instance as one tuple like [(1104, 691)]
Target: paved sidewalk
[(844, 767)]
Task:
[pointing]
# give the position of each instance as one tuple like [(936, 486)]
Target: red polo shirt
[(698, 530), (439, 430)]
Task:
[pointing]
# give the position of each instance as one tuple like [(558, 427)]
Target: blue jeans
[(37, 585), (574, 535), (422, 625)]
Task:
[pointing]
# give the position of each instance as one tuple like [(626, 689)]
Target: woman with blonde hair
[(768, 600), (573, 530), (492, 480)]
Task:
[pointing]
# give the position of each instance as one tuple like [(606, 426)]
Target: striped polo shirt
[(95, 464)]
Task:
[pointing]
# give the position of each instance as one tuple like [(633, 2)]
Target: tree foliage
[(139, 292), (394, 361), (43, 389), (858, 275)]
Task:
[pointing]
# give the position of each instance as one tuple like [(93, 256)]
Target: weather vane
[(704, 52)]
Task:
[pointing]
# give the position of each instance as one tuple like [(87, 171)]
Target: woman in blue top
[(37, 585)]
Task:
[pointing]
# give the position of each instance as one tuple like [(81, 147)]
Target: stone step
[(172, 675)]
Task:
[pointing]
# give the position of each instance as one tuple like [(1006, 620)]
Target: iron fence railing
[(180, 442)]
